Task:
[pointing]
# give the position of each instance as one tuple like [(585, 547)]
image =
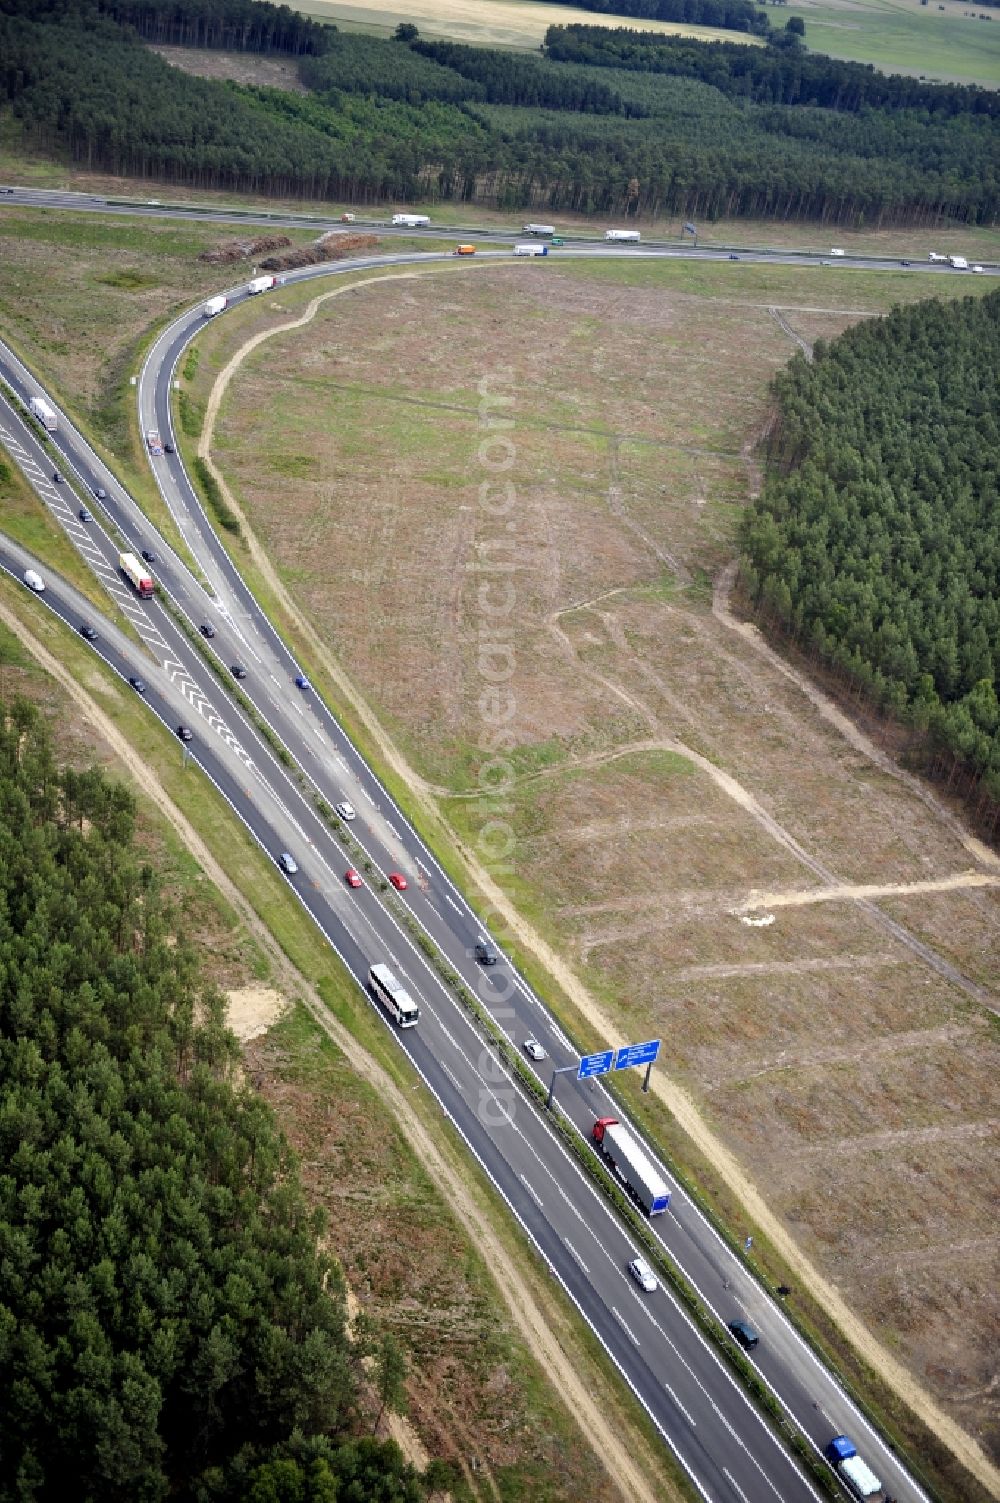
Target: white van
[(34, 580)]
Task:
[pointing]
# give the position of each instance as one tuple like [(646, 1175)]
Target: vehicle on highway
[(57, 477), (533, 249), (744, 1334), (168, 447), (484, 953), (643, 1275), (353, 878), (632, 1165), (261, 284), (348, 218), (346, 811), (393, 996), (138, 684), (153, 442), (238, 670), (185, 733), (411, 221), (904, 263), (623, 237), (149, 555), (538, 229), (34, 580), (88, 632), (857, 1475), (533, 1050), (464, 250), (288, 863), (40, 409), (301, 682), (84, 515), (214, 306), (207, 629), (398, 881), (100, 493), (558, 240), (139, 578), (977, 267), (836, 252), (733, 256)]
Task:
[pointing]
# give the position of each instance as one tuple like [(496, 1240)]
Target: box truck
[(531, 250), (958, 263), (40, 409), (137, 575), (262, 284), (632, 1165), (214, 305), (628, 237)]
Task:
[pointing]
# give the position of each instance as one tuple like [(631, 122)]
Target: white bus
[(393, 996)]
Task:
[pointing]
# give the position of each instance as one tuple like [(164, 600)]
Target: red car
[(398, 881), (352, 878)]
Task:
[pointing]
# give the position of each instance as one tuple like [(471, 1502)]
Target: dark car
[(744, 1334), (238, 670), (100, 493), (733, 256), (168, 447), (904, 263), (149, 555), (57, 477), (185, 732), (207, 629), (301, 682), (88, 632), (84, 515), (485, 954), (138, 684)]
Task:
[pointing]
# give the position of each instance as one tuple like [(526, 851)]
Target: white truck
[(958, 263), (215, 305), (629, 237), (40, 409), (137, 575), (856, 1475), (538, 229), (837, 251), (534, 249), (933, 256), (262, 284), (411, 221), (632, 1165)]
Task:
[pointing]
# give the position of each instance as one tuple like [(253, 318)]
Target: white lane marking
[(531, 1191), (576, 1255), (393, 831), (734, 1484), (368, 797), (341, 761), (680, 1406), (625, 1326), (449, 899), (561, 1036), (452, 1077), (450, 1037)]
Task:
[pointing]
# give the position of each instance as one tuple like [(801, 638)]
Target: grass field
[(662, 772)]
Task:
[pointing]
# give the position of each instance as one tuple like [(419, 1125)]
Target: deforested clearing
[(593, 442)]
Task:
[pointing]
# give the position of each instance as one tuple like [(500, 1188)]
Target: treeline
[(764, 74), (731, 15), (168, 1326), (408, 120), (235, 25), (875, 543)]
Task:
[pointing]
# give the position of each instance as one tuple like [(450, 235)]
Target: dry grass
[(820, 1042)]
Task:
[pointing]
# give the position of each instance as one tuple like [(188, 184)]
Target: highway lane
[(691, 1396), (724, 1284)]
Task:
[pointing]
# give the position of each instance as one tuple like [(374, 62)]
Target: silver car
[(288, 863), (643, 1275), (347, 811)]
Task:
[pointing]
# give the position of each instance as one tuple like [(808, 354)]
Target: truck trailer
[(856, 1475), (262, 284), (629, 237), (40, 409), (632, 1165), (137, 575), (411, 221), (933, 256), (958, 263), (534, 249), (215, 305), (538, 229)]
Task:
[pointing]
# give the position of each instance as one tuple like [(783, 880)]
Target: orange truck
[(464, 250)]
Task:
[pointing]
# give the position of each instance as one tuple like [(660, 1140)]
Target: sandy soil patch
[(252, 1010)]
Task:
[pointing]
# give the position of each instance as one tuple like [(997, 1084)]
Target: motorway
[(701, 1411)]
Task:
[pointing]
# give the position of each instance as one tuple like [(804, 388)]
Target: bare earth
[(668, 769)]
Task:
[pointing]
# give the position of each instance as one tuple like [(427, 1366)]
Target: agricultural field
[(476, 1393), (682, 806)]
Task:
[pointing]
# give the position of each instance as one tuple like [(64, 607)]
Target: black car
[(207, 629), (904, 263), (84, 515), (57, 477), (485, 954), (149, 555), (238, 670), (168, 447), (733, 256), (88, 632), (138, 684), (185, 732), (744, 1334)]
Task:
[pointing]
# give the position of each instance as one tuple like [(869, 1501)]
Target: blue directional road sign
[(637, 1054), (595, 1064)]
